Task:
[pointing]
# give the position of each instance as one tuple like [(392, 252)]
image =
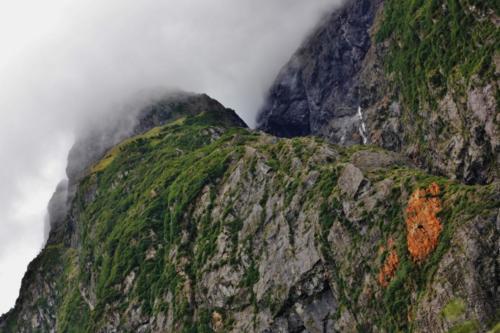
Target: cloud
[(69, 63)]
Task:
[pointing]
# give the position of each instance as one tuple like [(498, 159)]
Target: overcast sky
[(63, 63)]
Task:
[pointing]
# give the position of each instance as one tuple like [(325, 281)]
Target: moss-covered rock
[(200, 225), (418, 77)]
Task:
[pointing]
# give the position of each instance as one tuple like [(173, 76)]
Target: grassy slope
[(143, 193), (439, 47)]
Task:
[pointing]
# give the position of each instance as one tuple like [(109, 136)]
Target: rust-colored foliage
[(390, 265), (422, 225)]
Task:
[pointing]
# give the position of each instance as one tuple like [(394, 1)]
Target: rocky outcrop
[(93, 143), (471, 276), (320, 90), (370, 73), (39, 299), (203, 225)]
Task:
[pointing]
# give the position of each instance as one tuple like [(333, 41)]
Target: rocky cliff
[(202, 225), (92, 144), (372, 203), (417, 77)]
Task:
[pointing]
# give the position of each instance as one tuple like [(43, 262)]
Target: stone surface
[(337, 86), (318, 92), (291, 237)]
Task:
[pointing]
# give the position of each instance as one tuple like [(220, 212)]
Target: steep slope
[(93, 143), (201, 225), (420, 77), (318, 91)]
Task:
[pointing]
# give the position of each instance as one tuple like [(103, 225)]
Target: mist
[(66, 65)]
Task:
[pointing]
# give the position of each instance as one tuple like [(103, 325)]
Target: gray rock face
[(371, 160), (42, 277), (470, 148), (473, 279), (319, 91), (350, 180), (337, 86), (291, 237)]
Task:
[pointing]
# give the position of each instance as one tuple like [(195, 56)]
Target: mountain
[(200, 224), (367, 201), (416, 77)]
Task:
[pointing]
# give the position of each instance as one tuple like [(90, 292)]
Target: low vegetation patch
[(423, 227)]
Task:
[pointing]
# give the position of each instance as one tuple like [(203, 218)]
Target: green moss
[(469, 326), (74, 313), (251, 275), (454, 309), (203, 324), (495, 329)]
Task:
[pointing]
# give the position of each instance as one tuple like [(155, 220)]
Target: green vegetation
[(454, 309), (145, 186), (434, 39), (495, 329), (251, 276), (438, 46), (395, 306), (152, 216), (469, 326)]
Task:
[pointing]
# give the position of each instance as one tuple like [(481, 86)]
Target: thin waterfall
[(362, 128)]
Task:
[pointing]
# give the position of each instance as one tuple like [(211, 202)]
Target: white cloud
[(64, 63)]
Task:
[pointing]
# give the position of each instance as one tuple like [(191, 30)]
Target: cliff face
[(318, 92), (181, 219), (202, 225), (91, 146), (421, 78)]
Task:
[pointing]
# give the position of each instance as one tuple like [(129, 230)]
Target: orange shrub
[(388, 269), (423, 227)]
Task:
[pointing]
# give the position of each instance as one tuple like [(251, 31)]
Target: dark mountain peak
[(319, 87)]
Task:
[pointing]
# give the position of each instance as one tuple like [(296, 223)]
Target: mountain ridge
[(201, 226), (367, 200)]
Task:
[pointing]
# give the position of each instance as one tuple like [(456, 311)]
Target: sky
[(64, 64)]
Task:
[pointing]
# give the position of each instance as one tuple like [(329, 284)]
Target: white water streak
[(362, 128)]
